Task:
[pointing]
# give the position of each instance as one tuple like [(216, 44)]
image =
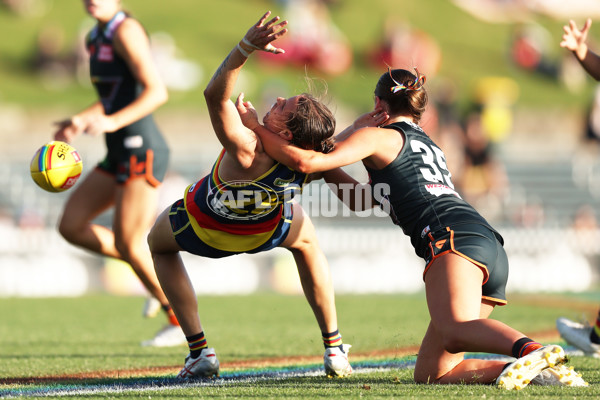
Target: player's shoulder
[(130, 28)]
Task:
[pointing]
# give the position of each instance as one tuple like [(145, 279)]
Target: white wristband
[(244, 52), (247, 42)]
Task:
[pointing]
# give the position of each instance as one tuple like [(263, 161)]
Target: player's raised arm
[(576, 40), (238, 140)]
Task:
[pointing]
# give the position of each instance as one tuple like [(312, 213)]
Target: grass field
[(268, 344)]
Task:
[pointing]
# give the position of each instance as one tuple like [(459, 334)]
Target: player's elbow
[(161, 96), (211, 95), (304, 165), (245, 159)]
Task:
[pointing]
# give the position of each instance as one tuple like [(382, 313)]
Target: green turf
[(50, 337), (206, 30)]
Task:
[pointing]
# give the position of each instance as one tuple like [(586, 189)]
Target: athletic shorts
[(150, 165), (190, 242), (479, 245)]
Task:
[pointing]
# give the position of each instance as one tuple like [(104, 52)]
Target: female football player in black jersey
[(129, 89), (466, 267)]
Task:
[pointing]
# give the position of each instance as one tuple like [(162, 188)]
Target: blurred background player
[(129, 90), (466, 266), (581, 335), (245, 206)]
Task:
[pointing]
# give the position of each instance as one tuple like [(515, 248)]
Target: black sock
[(519, 349)]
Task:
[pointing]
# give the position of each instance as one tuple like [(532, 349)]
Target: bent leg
[(458, 324), (173, 276), (135, 212), (436, 365), (88, 199), (313, 269)]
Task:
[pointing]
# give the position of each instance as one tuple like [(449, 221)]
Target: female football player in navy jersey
[(129, 90), (466, 267), (245, 205)]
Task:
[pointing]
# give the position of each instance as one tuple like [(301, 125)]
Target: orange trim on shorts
[(481, 266), (499, 302), (149, 168), (135, 167)]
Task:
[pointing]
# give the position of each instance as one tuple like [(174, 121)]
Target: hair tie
[(417, 84)]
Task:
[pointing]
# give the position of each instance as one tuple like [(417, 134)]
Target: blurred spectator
[(530, 48), (585, 219), (403, 46), (26, 8), (442, 122), (484, 182), (54, 65), (313, 40), (177, 72), (495, 96)]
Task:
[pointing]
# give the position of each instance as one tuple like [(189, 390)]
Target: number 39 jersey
[(421, 195)]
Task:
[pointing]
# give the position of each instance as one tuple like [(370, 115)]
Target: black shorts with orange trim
[(479, 245), (151, 165)]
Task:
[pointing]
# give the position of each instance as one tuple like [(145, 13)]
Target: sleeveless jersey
[(421, 195), (241, 216), (117, 87)]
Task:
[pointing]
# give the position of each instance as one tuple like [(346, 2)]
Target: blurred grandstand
[(532, 169)]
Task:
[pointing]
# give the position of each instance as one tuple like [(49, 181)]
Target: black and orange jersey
[(117, 87), (421, 197)]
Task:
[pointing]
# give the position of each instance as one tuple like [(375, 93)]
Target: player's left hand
[(247, 112), (263, 33)]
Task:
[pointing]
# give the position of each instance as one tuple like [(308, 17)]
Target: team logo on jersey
[(284, 182), (437, 189), (440, 243), (425, 231), (242, 200), (105, 53)]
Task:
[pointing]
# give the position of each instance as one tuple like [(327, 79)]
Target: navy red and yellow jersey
[(240, 216)]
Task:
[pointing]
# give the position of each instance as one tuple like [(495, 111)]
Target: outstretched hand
[(574, 39), (261, 35), (247, 112)]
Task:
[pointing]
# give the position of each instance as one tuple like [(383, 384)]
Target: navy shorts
[(479, 245), (187, 238)]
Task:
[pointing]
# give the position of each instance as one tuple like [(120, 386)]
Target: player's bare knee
[(125, 248), (453, 343), (67, 230), (423, 376)]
